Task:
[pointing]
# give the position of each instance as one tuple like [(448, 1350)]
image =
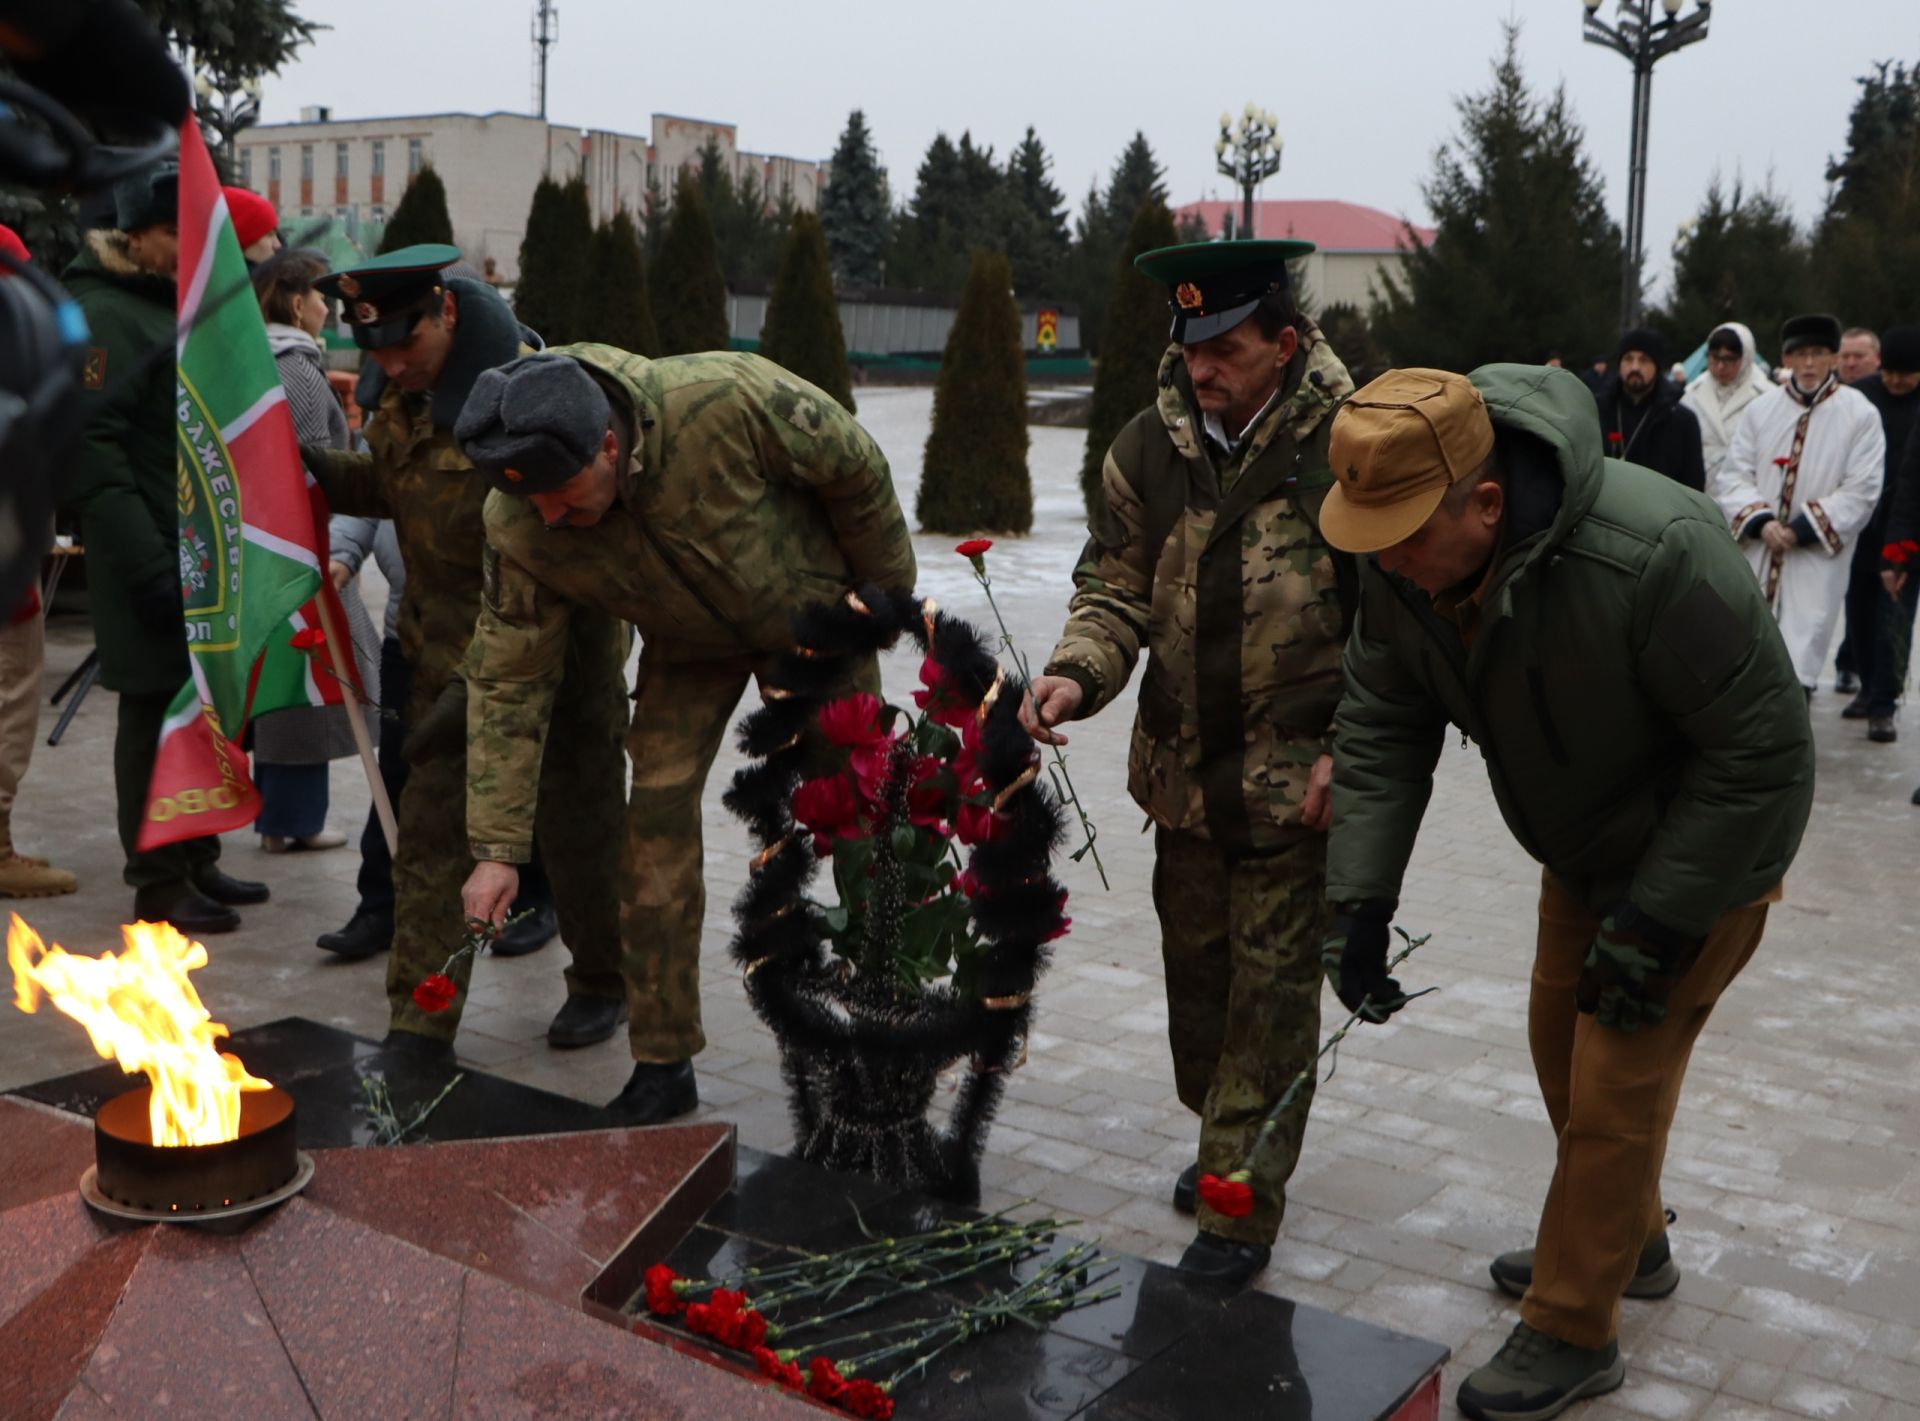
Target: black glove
[(1631, 969), (156, 604), (442, 730), (1355, 958)]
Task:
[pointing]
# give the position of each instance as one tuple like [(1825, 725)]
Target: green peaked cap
[(1214, 286)]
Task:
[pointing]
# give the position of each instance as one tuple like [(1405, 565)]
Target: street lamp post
[(1249, 153), (227, 105), (1644, 41)]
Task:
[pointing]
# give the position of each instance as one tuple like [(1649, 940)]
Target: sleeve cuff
[(1748, 522), (1818, 528), (501, 853), (1089, 686)]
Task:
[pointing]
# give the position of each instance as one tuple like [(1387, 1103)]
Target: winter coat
[(1718, 406), (1641, 723), (1213, 564), (1903, 506), (305, 735), (124, 484), (1661, 434), (747, 493)]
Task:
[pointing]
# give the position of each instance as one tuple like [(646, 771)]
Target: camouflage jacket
[(747, 493), (1233, 595)]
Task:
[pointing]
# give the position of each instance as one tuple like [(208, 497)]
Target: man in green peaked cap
[(1205, 552), (431, 336)]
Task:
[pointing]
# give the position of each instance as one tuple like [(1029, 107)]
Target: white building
[(1354, 243), (354, 170)]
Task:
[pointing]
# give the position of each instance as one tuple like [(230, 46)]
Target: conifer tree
[(853, 209), (420, 215), (1102, 229), (1868, 248), (620, 313), (803, 331), (1136, 339), (1524, 257), (1739, 259), (554, 293), (690, 294), (1037, 242), (974, 477)]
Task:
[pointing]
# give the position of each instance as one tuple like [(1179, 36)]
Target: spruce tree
[(420, 215), (555, 293), (1136, 339), (620, 313), (974, 477), (853, 209), (1739, 259), (803, 331), (1867, 253), (1037, 239), (1524, 257), (1347, 330), (1101, 231), (690, 294)]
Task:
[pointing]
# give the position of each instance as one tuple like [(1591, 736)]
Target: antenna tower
[(546, 31)]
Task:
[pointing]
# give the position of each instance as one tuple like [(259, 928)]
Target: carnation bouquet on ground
[(938, 833)]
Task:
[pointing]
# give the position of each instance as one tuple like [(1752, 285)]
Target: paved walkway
[(1795, 1165)]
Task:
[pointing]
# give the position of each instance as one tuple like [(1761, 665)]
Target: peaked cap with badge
[(385, 298), (1214, 286)]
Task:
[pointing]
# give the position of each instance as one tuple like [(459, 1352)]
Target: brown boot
[(23, 877)]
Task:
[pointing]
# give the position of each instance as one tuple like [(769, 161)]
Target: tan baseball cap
[(1398, 444)]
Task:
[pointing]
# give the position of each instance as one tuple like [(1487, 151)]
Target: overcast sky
[(1364, 89)]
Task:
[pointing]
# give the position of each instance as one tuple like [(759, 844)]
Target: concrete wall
[(1352, 277)]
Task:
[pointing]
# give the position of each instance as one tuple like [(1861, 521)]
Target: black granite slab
[(1166, 1346), (322, 1068)]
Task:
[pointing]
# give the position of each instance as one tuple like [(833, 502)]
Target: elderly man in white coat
[(1720, 394), (1800, 480)]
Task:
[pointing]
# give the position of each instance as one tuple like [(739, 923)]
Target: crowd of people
[(1623, 591)]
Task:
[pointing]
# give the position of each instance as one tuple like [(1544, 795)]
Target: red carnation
[(1894, 554), (1613, 436), (978, 824), (853, 721), (1783, 461), (865, 1398), (779, 1368), (926, 795), (436, 993), (1232, 1196), (974, 547), (753, 1330), (869, 764), (700, 1320), (828, 808), (937, 698), (824, 1380), (307, 639), (663, 1296)]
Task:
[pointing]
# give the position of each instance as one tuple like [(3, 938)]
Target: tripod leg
[(88, 673), (90, 663)]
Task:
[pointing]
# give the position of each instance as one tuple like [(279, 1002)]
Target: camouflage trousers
[(682, 711), (1241, 942), (577, 822)]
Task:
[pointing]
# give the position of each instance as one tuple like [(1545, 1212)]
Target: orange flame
[(141, 1010)]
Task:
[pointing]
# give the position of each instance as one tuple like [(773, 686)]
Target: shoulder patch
[(93, 367)]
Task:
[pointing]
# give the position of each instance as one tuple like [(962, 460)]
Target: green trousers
[(577, 820), (1241, 942), (136, 744)]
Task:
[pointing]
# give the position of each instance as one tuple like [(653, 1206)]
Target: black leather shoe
[(224, 888), (1856, 709), (655, 1094), (527, 934), (1184, 1187), (191, 912), (1882, 731), (413, 1044), (1846, 683), (586, 1021), (1225, 1260), (365, 935)]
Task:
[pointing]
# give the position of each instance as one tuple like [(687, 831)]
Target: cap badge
[(348, 286), (365, 313), (512, 475), (1187, 296)]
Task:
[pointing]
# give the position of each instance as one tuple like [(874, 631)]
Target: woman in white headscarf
[(1720, 394)]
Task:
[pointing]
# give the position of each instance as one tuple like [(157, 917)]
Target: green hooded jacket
[(1642, 726)]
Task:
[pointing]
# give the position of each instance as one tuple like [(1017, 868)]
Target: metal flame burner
[(134, 1178)]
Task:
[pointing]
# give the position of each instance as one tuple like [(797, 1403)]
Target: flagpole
[(357, 722)]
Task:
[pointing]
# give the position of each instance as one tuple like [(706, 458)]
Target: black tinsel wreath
[(861, 1063)]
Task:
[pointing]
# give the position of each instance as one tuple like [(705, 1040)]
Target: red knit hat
[(11, 244), (253, 216)]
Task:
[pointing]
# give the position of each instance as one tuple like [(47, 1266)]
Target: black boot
[(180, 904), (1225, 1260), (365, 935), (1184, 1187), (1856, 709), (655, 1094), (224, 888), (586, 1021), (529, 933)]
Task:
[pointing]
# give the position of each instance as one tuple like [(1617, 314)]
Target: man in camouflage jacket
[(432, 336), (703, 498), (1205, 551)]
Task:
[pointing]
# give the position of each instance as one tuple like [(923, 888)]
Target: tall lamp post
[(1644, 40), (1249, 153), (227, 105)]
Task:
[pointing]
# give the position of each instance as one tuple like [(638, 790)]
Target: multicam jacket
[(747, 494), (1215, 566)]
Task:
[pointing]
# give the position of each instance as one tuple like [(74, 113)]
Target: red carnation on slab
[(824, 1380), (853, 721), (1232, 1196), (663, 1296), (436, 993), (974, 547), (867, 1399)]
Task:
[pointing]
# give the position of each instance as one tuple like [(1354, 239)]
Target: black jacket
[(1901, 501), (1660, 434)]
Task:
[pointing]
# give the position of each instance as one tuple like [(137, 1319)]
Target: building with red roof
[(1354, 241)]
